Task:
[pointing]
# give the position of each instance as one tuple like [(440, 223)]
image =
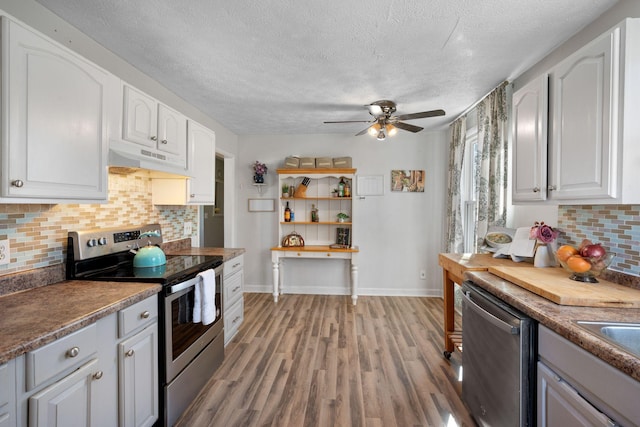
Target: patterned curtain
[(455, 236), (491, 163)]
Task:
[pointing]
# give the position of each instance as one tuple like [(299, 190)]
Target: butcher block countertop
[(562, 318), (32, 318)]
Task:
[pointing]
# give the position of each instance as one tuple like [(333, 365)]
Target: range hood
[(123, 162)]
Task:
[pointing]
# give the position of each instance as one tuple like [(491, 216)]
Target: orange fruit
[(577, 264), (565, 251)]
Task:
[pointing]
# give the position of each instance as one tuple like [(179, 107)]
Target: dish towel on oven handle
[(204, 300)]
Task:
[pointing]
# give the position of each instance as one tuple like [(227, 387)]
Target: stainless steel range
[(189, 352)]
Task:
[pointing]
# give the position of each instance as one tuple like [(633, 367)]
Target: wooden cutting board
[(554, 284)]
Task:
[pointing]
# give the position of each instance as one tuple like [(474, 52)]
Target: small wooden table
[(453, 268), (318, 252)]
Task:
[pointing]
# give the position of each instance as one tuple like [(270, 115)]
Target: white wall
[(399, 234)]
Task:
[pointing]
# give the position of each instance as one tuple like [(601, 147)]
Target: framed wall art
[(408, 181)]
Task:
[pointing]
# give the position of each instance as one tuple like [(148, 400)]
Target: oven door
[(185, 339)]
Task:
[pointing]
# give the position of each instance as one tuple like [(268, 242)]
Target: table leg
[(276, 278), (449, 326), (354, 283)]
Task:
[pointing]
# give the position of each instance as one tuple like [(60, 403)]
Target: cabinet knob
[(328, 254), (154, 138), (145, 314), (17, 183), (551, 188), (129, 353), (536, 189), (98, 375), (192, 195), (73, 352), (164, 141)]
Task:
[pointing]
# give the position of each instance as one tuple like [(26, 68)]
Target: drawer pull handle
[(145, 314), (129, 353), (236, 319), (328, 254), (98, 375), (73, 352), (235, 289), (235, 265)]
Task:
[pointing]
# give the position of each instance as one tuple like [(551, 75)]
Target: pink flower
[(543, 232), (259, 168)]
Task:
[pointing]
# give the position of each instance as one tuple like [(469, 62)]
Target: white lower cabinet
[(575, 388), (232, 297), (138, 387), (8, 394), (103, 375), (67, 402)]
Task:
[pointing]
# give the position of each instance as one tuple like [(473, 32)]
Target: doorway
[(214, 214)]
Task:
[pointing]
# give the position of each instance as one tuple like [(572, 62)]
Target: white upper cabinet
[(55, 106), (148, 123), (199, 188), (584, 116), (593, 127), (529, 130), (202, 163)]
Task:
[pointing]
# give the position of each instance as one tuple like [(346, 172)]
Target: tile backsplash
[(617, 227), (38, 233)]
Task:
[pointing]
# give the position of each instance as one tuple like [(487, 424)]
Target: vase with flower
[(259, 171), (544, 235)]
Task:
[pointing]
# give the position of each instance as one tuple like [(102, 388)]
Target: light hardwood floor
[(316, 360)]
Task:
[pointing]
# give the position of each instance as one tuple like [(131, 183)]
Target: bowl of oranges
[(585, 262)]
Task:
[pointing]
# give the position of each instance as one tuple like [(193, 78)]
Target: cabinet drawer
[(137, 316), (232, 290), (233, 265), (61, 355), (233, 318)]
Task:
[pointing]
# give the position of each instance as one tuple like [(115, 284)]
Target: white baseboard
[(315, 290)]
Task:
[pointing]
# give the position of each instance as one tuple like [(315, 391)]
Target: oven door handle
[(184, 285), (499, 323)]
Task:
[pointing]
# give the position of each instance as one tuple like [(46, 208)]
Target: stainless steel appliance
[(189, 352), (498, 360)]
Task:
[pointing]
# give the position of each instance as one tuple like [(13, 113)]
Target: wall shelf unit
[(318, 235)]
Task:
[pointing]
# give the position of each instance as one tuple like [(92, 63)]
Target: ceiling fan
[(385, 124)]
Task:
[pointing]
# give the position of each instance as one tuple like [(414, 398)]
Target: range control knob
[(102, 241), (92, 242)]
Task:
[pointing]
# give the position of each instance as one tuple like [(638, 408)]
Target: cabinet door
[(140, 118), (172, 132), (584, 115), (56, 112), (560, 405), (202, 163), (138, 370), (67, 402), (529, 130), (8, 394)]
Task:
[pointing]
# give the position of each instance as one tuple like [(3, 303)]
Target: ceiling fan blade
[(422, 115), (351, 121), (363, 131), (407, 126)]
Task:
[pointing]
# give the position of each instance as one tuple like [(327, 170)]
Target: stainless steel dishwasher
[(498, 360)]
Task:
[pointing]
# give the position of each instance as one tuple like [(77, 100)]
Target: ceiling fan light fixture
[(374, 129), (391, 129), (381, 136)]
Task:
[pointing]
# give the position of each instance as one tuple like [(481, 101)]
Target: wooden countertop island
[(454, 266)]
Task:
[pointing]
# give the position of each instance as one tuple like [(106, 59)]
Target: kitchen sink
[(624, 335)]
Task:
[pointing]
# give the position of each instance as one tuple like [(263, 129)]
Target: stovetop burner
[(105, 254)]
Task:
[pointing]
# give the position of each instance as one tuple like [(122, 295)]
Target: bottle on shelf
[(347, 189), (314, 214), (341, 187), (287, 213)]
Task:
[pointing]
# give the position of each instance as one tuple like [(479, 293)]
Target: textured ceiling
[(285, 66)]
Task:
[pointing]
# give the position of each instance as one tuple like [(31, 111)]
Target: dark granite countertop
[(562, 318), (32, 318), (226, 253)]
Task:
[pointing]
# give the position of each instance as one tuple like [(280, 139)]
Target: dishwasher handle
[(499, 323)]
